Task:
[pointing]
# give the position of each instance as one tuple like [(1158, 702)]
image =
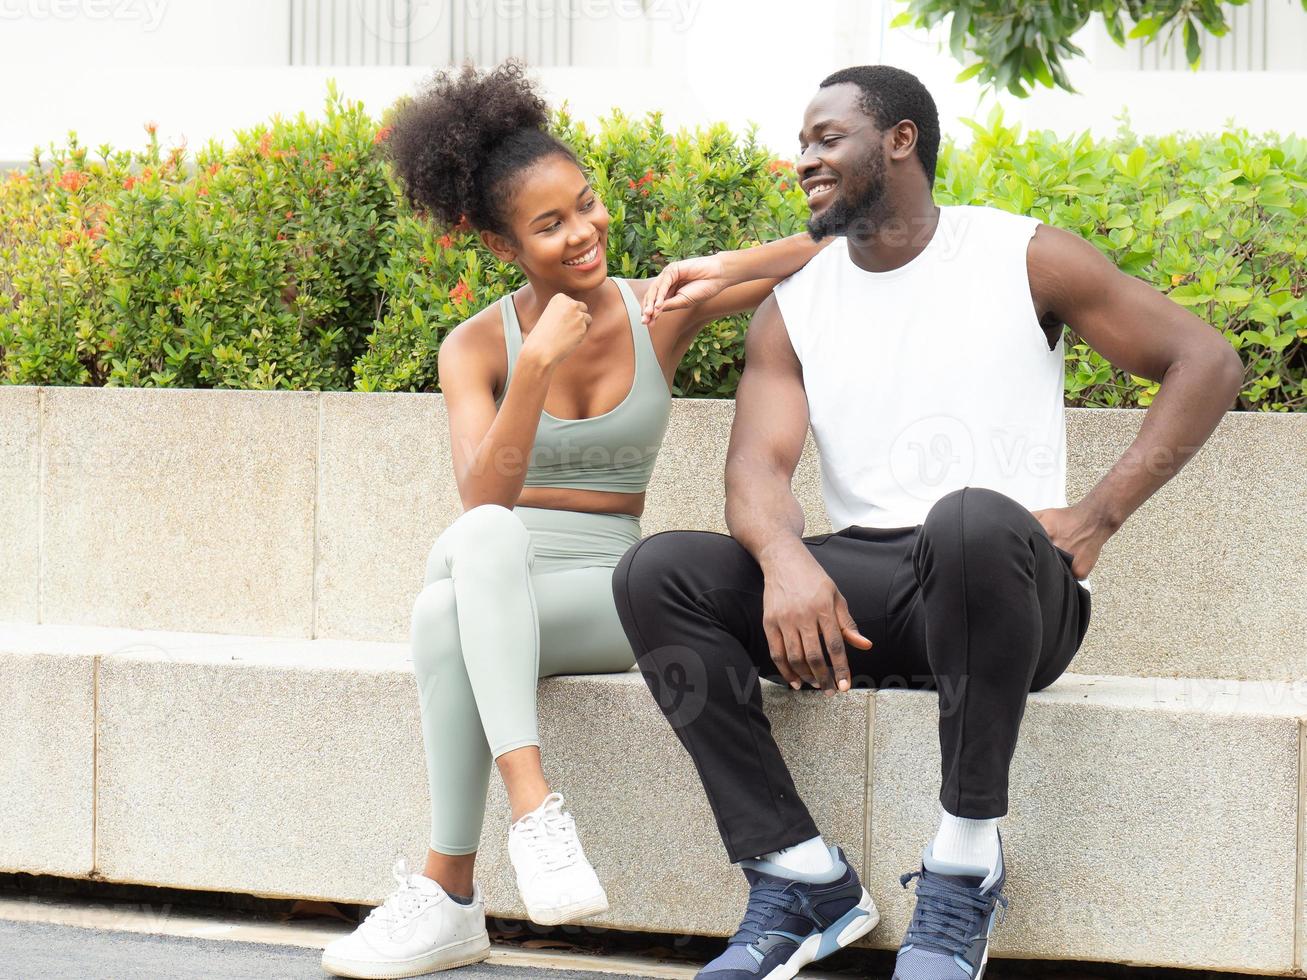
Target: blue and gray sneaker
[(957, 909), (794, 920)]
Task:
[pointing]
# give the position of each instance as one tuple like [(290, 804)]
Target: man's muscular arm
[(1138, 329), (801, 605)]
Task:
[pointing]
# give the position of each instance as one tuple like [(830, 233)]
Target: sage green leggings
[(510, 596)]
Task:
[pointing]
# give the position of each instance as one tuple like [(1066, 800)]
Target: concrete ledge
[(311, 514), (170, 508), (47, 762), (20, 503), (1153, 821)]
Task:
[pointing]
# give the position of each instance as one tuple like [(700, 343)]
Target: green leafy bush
[(248, 267), (290, 260)]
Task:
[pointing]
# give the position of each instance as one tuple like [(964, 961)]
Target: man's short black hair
[(890, 95)]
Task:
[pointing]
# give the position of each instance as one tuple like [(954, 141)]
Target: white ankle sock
[(961, 840), (812, 857)]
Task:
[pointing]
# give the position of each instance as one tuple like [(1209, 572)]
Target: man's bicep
[(771, 408), (1134, 326)]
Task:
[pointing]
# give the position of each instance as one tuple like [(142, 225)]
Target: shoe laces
[(949, 915), (551, 833), (764, 902), (409, 899)]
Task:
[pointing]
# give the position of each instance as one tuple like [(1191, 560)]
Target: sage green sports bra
[(614, 451)]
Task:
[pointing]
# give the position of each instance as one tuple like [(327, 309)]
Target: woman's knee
[(485, 540)]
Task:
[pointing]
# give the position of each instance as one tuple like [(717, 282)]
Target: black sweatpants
[(976, 602)]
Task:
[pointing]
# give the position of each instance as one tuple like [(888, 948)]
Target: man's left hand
[(1078, 530)]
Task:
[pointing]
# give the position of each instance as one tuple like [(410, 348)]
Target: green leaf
[(971, 71), (1145, 28), (1192, 51), (1176, 208)]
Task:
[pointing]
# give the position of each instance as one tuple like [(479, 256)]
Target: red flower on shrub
[(461, 293), (290, 215), (213, 168), (129, 183), (281, 236), (445, 241), (383, 134), (202, 192), (151, 127), (424, 259), (779, 166), (73, 180), (331, 164), (785, 185), (265, 145)]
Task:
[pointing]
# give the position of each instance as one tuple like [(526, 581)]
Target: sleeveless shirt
[(932, 376)]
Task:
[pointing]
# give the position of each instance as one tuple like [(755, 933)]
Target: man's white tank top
[(932, 376)]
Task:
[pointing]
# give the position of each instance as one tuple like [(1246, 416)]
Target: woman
[(558, 398)]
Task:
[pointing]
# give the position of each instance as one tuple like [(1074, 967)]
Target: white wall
[(202, 68)]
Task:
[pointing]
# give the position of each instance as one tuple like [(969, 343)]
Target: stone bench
[(203, 621)]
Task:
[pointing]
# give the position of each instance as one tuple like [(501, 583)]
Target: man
[(924, 348)]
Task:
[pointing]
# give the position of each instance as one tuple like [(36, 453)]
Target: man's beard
[(862, 214)]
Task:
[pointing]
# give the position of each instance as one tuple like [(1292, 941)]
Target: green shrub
[(251, 267), (290, 261)]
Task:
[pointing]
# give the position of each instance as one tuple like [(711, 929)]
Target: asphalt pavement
[(39, 951)]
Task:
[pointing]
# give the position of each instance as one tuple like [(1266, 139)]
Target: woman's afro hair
[(456, 144)]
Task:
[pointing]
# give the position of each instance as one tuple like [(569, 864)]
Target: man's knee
[(978, 520), (655, 563)]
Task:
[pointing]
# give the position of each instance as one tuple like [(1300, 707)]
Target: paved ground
[(37, 951)]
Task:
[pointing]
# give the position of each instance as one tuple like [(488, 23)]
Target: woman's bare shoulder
[(480, 334)]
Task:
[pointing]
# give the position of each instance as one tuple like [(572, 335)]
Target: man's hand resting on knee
[(801, 609)]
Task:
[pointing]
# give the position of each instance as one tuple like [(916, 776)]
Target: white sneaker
[(419, 929), (556, 882)]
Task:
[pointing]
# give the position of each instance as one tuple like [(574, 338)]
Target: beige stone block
[(20, 502), (47, 760), (1151, 821), (688, 489), (280, 767), (386, 490), (1206, 578), (641, 810), (179, 509), (295, 768)]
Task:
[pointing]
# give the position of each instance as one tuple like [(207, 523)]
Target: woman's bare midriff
[(585, 501)]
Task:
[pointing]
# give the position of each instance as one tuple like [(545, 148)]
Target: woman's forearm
[(775, 260), (496, 470)]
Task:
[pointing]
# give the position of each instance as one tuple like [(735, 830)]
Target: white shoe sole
[(557, 915), (807, 951), (446, 958)]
